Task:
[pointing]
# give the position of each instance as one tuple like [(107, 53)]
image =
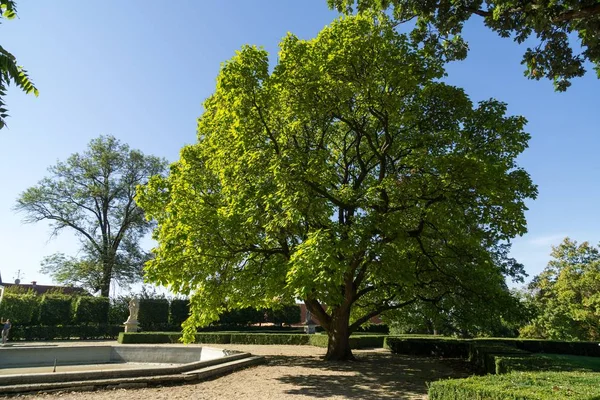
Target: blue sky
[(140, 72)]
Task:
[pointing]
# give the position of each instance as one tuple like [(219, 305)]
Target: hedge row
[(545, 362), (460, 348), (356, 342), (43, 332), (54, 309), (520, 385), (483, 355)]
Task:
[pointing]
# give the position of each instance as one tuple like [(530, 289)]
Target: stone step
[(135, 382)]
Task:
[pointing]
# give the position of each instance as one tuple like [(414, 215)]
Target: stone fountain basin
[(23, 365)]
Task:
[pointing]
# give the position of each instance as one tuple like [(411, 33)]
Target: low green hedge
[(320, 340), (44, 332), (483, 355), (270, 338), (171, 337), (459, 348), (546, 362), (428, 346), (521, 386)]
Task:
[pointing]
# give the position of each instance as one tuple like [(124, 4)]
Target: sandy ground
[(298, 372)]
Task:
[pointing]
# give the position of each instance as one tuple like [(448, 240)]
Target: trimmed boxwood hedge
[(459, 348), (483, 355), (546, 362), (55, 309), (319, 340), (521, 386), (90, 310), (179, 311), (270, 338), (153, 313), (428, 346), (53, 332)]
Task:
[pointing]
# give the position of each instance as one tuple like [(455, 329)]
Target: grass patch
[(521, 386)]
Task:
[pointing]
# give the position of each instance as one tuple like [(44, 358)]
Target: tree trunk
[(338, 346), (106, 278)]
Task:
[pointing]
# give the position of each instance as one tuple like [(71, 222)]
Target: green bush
[(80, 332), (150, 337), (20, 308), (91, 310), (118, 310), (178, 312), (55, 309), (172, 337), (153, 314), (269, 338), (521, 386), (482, 355), (243, 316), (251, 328), (368, 341), (546, 362), (374, 328), (286, 315), (428, 346)]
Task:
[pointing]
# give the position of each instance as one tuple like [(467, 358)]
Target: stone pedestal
[(309, 327)]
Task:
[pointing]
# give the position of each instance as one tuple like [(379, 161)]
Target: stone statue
[(134, 309), (131, 325)]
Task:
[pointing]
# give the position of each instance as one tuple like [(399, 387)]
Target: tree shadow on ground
[(376, 375)]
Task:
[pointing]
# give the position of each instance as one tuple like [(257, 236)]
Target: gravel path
[(298, 372)]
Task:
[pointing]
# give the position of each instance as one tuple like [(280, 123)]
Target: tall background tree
[(565, 297), (92, 194), (9, 70), (558, 54), (349, 177)]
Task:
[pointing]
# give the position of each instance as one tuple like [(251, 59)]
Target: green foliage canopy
[(9, 70), (92, 194), (349, 177), (566, 295), (553, 23)]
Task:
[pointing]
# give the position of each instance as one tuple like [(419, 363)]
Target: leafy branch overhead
[(9, 70), (567, 32)]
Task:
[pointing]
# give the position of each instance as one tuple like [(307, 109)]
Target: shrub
[(19, 308), (368, 341), (42, 332), (374, 328), (269, 338), (546, 362), (153, 314), (482, 355), (428, 346), (171, 337), (179, 311), (118, 310), (243, 316), (55, 309), (150, 337), (286, 315), (520, 385), (91, 310)]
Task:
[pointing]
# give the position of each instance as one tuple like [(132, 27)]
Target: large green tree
[(566, 295), (554, 25), (9, 70), (92, 194), (348, 177)]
